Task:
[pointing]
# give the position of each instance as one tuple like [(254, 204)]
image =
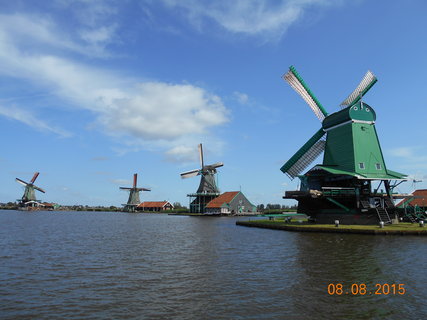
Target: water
[(75, 265)]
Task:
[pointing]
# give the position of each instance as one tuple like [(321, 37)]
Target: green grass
[(401, 228), (305, 224)]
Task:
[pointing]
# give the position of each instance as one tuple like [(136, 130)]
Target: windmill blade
[(201, 156), (216, 165), (305, 155), (190, 174), (125, 188), (298, 84), (35, 177), (367, 82), (39, 189), (21, 182), (135, 178), (141, 189)]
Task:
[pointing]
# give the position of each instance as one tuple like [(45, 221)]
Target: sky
[(92, 92)]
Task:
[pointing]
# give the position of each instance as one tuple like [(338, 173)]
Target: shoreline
[(399, 229)]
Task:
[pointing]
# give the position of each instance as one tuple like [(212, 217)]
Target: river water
[(98, 265)]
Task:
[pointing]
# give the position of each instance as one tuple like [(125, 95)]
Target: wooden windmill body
[(341, 187)]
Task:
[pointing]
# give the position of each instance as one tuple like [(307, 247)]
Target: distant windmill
[(207, 188), (29, 197), (134, 199), (414, 183)]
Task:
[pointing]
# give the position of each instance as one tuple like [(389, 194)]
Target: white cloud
[(268, 18), (165, 111), (42, 34), (242, 98), (412, 158), (155, 114), (122, 182), (404, 152), (183, 153), (91, 12), (31, 120), (98, 36), (96, 23)]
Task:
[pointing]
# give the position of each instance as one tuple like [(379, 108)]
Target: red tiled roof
[(421, 202), (226, 197), (153, 204), (47, 204)]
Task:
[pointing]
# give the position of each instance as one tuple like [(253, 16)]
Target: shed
[(230, 203), (154, 206)]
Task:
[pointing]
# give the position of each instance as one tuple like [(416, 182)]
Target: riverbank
[(211, 215), (394, 229)]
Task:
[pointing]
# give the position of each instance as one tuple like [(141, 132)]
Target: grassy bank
[(397, 229)]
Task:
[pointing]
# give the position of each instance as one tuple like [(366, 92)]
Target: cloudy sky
[(94, 91)]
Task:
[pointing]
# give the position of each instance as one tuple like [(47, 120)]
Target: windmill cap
[(359, 112)]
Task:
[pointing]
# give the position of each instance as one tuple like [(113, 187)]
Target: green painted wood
[(363, 93), (338, 204), (339, 151), (359, 112), (296, 74), (316, 137)]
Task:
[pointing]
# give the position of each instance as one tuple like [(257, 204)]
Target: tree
[(177, 205)]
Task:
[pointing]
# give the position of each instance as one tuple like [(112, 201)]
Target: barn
[(154, 206), (230, 203)]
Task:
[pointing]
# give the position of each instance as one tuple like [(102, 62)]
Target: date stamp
[(362, 289)]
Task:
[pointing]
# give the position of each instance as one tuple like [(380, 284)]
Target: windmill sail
[(367, 82), (202, 163), (21, 182), (34, 177), (190, 174), (135, 179), (305, 155), (39, 189), (298, 84), (207, 173), (216, 165)]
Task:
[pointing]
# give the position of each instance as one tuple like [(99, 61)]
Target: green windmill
[(342, 187), (29, 197)]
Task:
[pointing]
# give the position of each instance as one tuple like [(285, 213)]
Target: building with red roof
[(154, 206), (419, 200), (230, 203)]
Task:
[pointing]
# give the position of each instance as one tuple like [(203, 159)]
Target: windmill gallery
[(352, 184)]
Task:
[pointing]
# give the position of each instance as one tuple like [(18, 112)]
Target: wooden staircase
[(383, 215)]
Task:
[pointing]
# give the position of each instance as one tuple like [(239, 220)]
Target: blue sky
[(94, 91)]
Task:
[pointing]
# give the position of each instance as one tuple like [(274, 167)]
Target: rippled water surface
[(78, 265)]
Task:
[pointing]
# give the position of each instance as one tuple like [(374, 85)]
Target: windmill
[(134, 191), (414, 183), (341, 187), (208, 189), (29, 197)]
